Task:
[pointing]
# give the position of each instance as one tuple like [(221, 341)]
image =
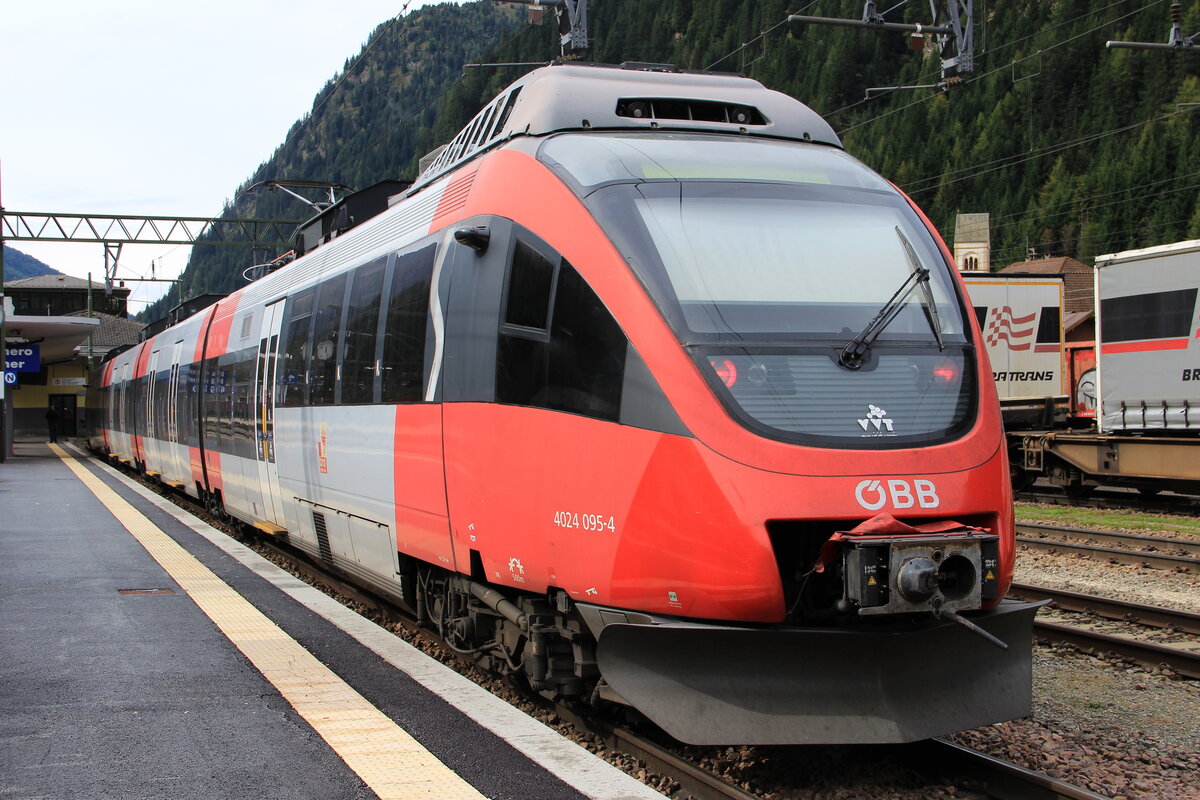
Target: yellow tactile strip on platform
[(389, 761)]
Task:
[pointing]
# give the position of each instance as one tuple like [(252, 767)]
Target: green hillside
[(1072, 148), (19, 265)]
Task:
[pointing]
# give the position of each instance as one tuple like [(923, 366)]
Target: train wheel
[(1021, 479), (1077, 492)]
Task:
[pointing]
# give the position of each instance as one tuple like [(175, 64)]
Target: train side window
[(359, 364), (293, 372), (186, 403), (530, 282), (241, 402), (586, 370), (574, 360), (331, 297), (403, 358)]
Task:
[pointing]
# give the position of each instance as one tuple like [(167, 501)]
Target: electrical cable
[(1107, 235), (981, 76), (346, 163), (345, 74), (1002, 163), (1043, 217)]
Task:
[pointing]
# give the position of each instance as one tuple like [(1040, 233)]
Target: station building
[(50, 340)]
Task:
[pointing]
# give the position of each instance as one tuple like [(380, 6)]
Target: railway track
[(934, 758), (1130, 548), (1122, 499), (1000, 780), (1183, 658), (997, 779)]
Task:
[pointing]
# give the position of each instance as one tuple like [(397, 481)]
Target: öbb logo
[(875, 494)]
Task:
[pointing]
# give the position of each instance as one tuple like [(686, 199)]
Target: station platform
[(147, 655)]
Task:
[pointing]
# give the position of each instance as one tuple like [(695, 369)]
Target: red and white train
[(645, 390)]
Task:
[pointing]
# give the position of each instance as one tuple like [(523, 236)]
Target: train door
[(177, 462), (264, 424), (153, 444), (467, 384)]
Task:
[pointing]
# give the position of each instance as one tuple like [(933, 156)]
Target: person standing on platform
[(52, 423)]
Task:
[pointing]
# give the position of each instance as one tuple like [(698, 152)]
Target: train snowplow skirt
[(713, 685)]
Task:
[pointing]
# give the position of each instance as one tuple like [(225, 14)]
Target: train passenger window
[(361, 334), (241, 402), (403, 360), (293, 371), (574, 360), (331, 296), (185, 403)]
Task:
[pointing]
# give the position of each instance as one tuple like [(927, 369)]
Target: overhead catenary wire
[(345, 74), (1008, 65), (343, 164), (1076, 200), (1018, 219), (1107, 235), (1009, 161)]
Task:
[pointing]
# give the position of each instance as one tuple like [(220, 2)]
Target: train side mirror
[(476, 238)]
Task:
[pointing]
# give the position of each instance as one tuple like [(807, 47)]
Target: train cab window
[(293, 372), (359, 364), (331, 297), (530, 282), (574, 360), (403, 361)]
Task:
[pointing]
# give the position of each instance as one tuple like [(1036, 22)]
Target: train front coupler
[(939, 573)]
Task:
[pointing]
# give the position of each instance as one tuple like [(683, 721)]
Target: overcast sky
[(146, 107)]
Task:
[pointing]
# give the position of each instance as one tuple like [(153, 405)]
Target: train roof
[(1175, 248), (566, 97)]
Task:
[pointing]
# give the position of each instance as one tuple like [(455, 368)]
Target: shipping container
[(1149, 339)]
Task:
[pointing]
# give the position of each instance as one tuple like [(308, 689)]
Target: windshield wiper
[(935, 324), (854, 353)]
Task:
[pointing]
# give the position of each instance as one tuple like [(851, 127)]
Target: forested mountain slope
[(19, 265), (1072, 148)]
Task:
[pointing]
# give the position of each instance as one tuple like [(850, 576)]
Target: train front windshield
[(770, 259)]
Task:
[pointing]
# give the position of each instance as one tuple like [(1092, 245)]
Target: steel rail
[(1111, 608), (1113, 498), (1152, 654), (1117, 554), (660, 759), (1003, 780), (1189, 546)]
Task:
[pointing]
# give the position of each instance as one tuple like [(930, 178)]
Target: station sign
[(23, 358)]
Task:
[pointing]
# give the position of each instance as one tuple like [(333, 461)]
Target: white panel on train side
[(1148, 336), (1010, 310), (340, 457), (394, 229)]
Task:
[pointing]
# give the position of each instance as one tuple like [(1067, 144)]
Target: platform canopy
[(57, 336)]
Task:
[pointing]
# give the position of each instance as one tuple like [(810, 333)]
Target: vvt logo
[(877, 421)]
